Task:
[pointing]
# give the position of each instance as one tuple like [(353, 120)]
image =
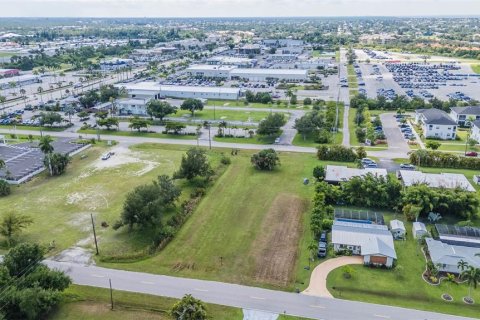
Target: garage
[(378, 260)]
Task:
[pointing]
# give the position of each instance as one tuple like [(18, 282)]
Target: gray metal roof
[(470, 110), (373, 239), (436, 116), (419, 226), (451, 254)]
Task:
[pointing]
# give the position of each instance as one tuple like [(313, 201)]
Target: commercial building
[(232, 61), (435, 180), (153, 90), (210, 71), (277, 43), (373, 242), (446, 256), (337, 174), (262, 75), (464, 115), (19, 81), (436, 124), (249, 49)]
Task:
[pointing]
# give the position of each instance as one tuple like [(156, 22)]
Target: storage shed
[(398, 229), (419, 230)]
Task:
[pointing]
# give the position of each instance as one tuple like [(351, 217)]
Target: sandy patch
[(122, 156), (277, 246)]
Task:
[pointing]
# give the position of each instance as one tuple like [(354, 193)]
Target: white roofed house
[(128, 106), (446, 256), (436, 123), (435, 180), (475, 133), (337, 174), (373, 242)]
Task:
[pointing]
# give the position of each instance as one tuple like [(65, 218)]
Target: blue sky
[(235, 8)]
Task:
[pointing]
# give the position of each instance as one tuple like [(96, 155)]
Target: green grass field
[(241, 104), (352, 77), (476, 68), (230, 115), (238, 224), (404, 289), (252, 140), (31, 128), (137, 134)]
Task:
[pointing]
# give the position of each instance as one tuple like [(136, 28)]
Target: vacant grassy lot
[(61, 206), (230, 115), (230, 232), (405, 288), (253, 140), (32, 128)]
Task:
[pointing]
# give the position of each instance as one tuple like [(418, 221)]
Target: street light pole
[(94, 233)]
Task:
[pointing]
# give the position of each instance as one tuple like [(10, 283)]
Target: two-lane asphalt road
[(240, 296)]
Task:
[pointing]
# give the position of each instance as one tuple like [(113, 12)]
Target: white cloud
[(197, 8)]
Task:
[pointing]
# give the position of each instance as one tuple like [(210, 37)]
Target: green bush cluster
[(438, 159), (336, 153)]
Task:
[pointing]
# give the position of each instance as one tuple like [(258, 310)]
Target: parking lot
[(389, 75)]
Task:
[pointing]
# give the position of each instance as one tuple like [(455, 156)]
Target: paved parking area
[(25, 159), (393, 134)]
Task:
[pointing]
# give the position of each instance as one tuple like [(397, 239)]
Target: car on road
[(370, 166), (323, 237), (277, 140), (365, 161), (471, 154), (407, 166), (106, 156)]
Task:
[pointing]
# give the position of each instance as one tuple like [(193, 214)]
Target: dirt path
[(318, 280)]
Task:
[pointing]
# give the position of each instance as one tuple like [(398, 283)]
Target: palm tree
[(46, 147), (40, 91), (312, 248), (472, 277), (13, 85), (462, 265), (69, 111)]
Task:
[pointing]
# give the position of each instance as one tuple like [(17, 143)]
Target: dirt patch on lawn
[(276, 248), (98, 310)]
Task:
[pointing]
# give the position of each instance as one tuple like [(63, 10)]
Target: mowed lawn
[(241, 221), (228, 115), (61, 206), (405, 288)]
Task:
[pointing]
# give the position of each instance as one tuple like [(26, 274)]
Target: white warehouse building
[(153, 90), (251, 74), (291, 75)]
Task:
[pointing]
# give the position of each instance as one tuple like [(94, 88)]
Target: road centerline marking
[(381, 316), (316, 306), (147, 282), (257, 298)]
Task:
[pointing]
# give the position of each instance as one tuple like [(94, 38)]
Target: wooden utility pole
[(111, 294), (94, 233)]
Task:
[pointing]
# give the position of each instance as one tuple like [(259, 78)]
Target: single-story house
[(419, 230), (446, 257), (436, 123), (435, 180), (398, 229), (463, 115), (337, 174), (373, 242)]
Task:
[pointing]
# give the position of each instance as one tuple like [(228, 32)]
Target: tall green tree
[(192, 105), (472, 276), (160, 109), (45, 145), (194, 163)]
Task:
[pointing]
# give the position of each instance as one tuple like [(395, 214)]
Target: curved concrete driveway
[(318, 279)]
